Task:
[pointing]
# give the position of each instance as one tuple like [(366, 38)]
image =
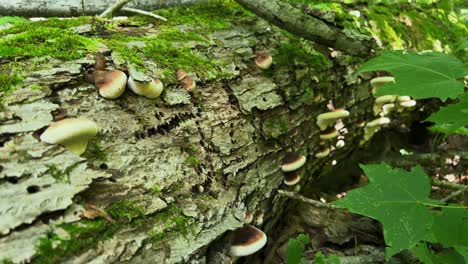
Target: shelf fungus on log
[(247, 240), (292, 161), (72, 133), (324, 120)]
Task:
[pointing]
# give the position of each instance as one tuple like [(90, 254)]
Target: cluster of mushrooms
[(384, 106), (74, 133)]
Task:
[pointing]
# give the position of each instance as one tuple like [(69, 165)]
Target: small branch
[(114, 8), (294, 20), (142, 12), (448, 185), (455, 194), (306, 200)]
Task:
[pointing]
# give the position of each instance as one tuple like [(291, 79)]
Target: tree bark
[(183, 170)]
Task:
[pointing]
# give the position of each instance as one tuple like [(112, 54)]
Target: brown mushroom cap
[(188, 83), (180, 74), (329, 133), (292, 161), (247, 240), (291, 178), (111, 84), (323, 152)]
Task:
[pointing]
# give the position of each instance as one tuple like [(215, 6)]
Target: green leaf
[(304, 239), (398, 199), (451, 227), (425, 75), (453, 118), (427, 256), (321, 259), (462, 251), (295, 249)]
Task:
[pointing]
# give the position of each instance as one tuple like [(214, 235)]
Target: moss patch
[(9, 79), (43, 41), (87, 234), (171, 222), (12, 20)]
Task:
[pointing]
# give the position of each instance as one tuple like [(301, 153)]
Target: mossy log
[(166, 179)]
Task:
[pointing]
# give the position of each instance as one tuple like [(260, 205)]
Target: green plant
[(400, 200), (427, 75), (296, 248)]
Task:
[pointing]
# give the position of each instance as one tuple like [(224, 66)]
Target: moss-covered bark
[(173, 174)]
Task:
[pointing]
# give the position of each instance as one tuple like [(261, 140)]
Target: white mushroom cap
[(72, 133), (150, 89), (292, 161), (263, 60), (385, 99), (340, 144), (111, 84), (378, 122), (387, 108), (408, 104), (324, 120), (403, 98), (247, 240), (378, 82)]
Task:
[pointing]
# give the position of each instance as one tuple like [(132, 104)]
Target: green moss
[(409, 28), (214, 16), (125, 211), (82, 236), (94, 150), (59, 175), (275, 126), (35, 87), (49, 23), (193, 161), (154, 190), (12, 20), (298, 51), (171, 222), (8, 81), (87, 234), (42, 41)]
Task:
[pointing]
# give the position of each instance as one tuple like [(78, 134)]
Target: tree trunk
[(176, 173), (67, 8)]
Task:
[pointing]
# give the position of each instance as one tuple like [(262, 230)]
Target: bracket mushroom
[(72, 133), (292, 161), (247, 240), (324, 120)]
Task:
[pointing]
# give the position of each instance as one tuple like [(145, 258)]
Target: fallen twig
[(306, 200), (142, 12), (455, 194), (114, 8)]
